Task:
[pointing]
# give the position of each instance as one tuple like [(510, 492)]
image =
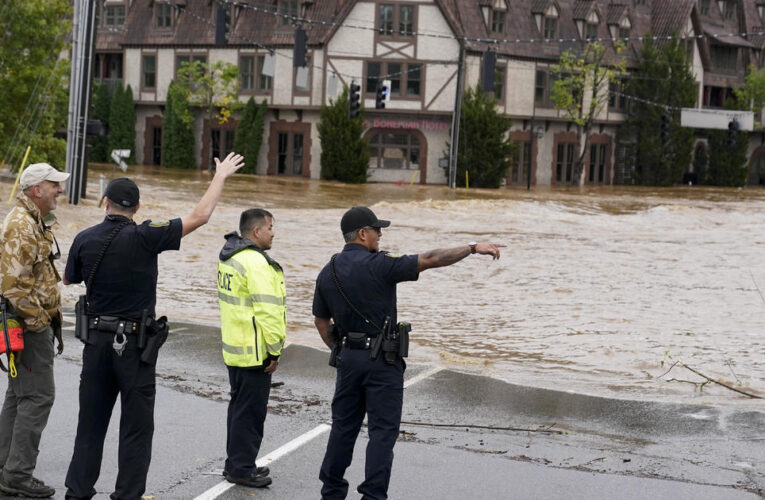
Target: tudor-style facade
[(414, 43)]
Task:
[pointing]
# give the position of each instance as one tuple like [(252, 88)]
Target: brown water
[(596, 288)]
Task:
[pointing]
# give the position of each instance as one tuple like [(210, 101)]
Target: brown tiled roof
[(582, 8), (539, 6), (666, 21), (616, 12)]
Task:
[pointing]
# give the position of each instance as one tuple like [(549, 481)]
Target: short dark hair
[(251, 218)]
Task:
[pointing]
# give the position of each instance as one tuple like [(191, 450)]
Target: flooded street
[(595, 289)]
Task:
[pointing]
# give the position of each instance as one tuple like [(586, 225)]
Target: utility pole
[(456, 118), (531, 153), (83, 42)]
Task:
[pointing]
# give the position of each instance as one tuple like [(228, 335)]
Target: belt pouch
[(81, 319), (403, 339), (357, 340)]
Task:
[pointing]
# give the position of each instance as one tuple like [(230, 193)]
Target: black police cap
[(123, 192), (358, 217)]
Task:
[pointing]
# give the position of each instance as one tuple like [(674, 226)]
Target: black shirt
[(126, 280), (369, 280)]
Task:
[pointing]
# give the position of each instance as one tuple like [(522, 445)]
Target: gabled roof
[(616, 13), (582, 8)]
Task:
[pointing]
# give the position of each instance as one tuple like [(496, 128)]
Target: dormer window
[(591, 27), (624, 29), (727, 8), (114, 14), (163, 15), (288, 9), (761, 10), (704, 8), (550, 22), (498, 21)]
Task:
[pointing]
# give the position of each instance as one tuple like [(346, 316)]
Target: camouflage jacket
[(28, 278)]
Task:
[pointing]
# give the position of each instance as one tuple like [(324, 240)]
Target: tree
[(100, 111), (752, 95), (344, 152), (663, 83), (485, 151), (580, 91), (243, 128), (177, 132), (33, 79), (255, 137), (122, 121), (214, 88)]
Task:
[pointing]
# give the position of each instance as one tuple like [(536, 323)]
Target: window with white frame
[(395, 20)]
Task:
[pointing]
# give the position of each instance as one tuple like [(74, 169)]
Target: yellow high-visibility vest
[(253, 315)]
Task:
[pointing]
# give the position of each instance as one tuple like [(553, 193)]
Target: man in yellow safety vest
[(251, 295)]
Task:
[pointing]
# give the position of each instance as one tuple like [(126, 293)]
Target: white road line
[(293, 445), (179, 329), (422, 376), (299, 441)]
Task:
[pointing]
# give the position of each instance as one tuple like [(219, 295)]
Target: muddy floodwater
[(597, 290)]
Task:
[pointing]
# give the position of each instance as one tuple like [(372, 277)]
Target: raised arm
[(204, 209), (447, 256)]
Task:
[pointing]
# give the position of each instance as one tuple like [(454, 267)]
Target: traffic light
[(298, 55), (664, 127), (732, 133), (382, 92), (488, 67), (354, 100)]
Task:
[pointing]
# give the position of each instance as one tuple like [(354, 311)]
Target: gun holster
[(334, 333), (81, 319), (154, 335)]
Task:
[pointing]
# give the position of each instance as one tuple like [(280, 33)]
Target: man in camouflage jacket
[(29, 281)]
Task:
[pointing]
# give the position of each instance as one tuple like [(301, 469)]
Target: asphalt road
[(491, 439)]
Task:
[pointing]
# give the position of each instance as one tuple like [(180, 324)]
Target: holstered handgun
[(81, 319), (334, 333), (377, 342), (157, 332)]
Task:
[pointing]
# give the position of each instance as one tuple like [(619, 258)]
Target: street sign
[(118, 155), (716, 118)]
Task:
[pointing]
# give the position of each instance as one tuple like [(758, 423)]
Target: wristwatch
[(472, 245)]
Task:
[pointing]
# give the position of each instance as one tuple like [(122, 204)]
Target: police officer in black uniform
[(123, 286), (359, 297)]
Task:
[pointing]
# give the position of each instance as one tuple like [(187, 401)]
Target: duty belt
[(113, 324), (358, 340)]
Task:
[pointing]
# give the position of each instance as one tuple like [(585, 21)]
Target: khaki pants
[(28, 402)]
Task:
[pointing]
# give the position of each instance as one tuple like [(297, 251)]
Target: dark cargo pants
[(363, 387), (105, 375), (28, 402)]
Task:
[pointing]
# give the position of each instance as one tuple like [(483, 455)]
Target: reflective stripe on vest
[(234, 349), (235, 301), (267, 299), (236, 265)]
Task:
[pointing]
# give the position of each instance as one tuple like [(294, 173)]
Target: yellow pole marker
[(23, 164), (413, 176), (467, 184)]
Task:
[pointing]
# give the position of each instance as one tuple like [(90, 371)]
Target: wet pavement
[(465, 436)]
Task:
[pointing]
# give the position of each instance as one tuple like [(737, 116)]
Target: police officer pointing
[(118, 261), (357, 290)]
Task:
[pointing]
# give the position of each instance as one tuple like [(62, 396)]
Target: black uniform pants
[(377, 389), (250, 388), (104, 375)]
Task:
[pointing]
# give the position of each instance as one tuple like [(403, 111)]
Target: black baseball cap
[(358, 217), (123, 192)]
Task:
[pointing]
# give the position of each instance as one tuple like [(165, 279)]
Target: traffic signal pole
[(454, 149)]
